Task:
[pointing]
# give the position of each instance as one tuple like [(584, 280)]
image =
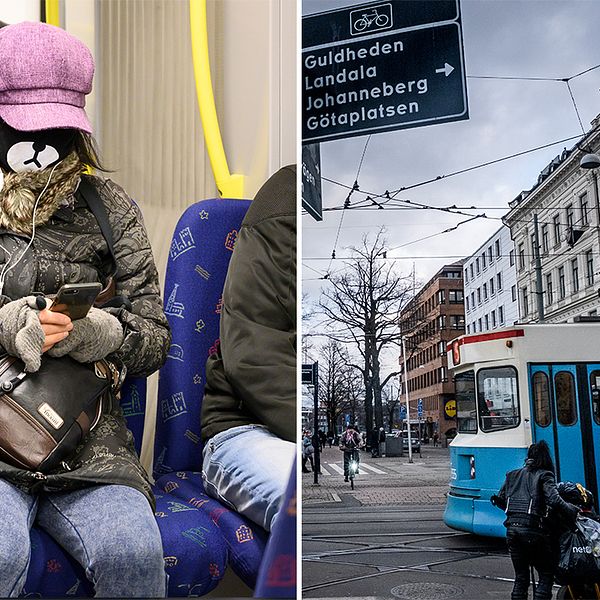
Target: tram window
[(595, 390), (541, 400), (498, 398), (466, 413), (564, 384)]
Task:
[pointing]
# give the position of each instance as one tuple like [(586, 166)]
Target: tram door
[(565, 411)]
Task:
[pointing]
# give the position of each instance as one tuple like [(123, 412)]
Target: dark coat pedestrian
[(526, 496)]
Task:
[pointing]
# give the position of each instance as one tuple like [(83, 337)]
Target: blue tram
[(516, 386)]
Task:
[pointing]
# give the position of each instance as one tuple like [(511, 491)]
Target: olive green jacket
[(252, 378)]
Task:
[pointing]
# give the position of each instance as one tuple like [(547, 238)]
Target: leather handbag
[(45, 415)]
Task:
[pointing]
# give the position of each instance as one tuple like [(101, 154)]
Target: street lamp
[(410, 459), (590, 161)]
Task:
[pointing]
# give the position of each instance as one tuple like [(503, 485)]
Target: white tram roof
[(533, 343)]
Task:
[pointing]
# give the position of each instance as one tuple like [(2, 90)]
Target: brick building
[(434, 316)]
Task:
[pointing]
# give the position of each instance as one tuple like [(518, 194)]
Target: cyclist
[(350, 442)]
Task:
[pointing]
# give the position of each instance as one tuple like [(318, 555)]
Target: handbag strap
[(91, 196)]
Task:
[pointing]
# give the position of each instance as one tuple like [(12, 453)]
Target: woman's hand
[(56, 327)]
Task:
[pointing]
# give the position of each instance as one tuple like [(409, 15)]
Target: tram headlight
[(472, 467)]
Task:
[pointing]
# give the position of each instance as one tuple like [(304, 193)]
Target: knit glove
[(21, 333), (92, 338)]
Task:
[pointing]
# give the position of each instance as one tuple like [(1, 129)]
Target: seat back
[(200, 252)]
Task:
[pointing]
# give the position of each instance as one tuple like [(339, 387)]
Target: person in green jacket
[(249, 406)]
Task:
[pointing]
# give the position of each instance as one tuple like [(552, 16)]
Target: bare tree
[(362, 305)]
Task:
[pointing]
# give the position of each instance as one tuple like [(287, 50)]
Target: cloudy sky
[(506, 38)]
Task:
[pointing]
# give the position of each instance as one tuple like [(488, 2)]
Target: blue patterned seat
[(200, 535)]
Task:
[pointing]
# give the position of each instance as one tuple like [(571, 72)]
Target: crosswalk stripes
[(337, 469)]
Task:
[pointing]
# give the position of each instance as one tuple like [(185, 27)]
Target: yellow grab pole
[(229, 186), (52, 12)]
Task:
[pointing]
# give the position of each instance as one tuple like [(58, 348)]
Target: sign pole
[(410, 459), (316, 423)]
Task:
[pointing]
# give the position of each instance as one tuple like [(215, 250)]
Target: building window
[(483, 262), (513, 293), (545, 239), (443, 374), (497, 244), (442, 322), (549, 290), (467, 305), (494, 319), (575, 275), (480, 327), (468, 329), (441, 348), (562, 288), (487, 322), (485, 292), (456, 296), (472, 274), (490, 255), (534, 248), (466, 276), (499, 281), (589, 267), (570, 216), (457, 322), (511, 257), (501, 314), (472, 299), (477, 266), (492, 290), (525, 299), (478, 296), (521, 256), (556, 225), (583, 203), (442, 297)]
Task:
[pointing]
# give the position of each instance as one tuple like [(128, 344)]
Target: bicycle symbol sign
[(377, 18)]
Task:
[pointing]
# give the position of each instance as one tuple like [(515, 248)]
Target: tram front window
[(595, 389), (466, 412), (498, 398)]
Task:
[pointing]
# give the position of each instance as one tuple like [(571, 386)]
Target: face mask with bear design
[(22, 151)]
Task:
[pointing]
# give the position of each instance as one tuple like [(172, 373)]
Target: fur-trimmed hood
[(21, 190)]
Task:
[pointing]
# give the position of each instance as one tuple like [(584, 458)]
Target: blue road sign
[(397, 72)]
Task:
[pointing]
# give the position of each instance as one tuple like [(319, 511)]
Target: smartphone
[(75, 299)]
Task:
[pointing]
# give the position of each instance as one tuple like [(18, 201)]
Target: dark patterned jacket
[(71, 249)]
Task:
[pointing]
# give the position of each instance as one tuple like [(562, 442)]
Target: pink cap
[(45, 74)]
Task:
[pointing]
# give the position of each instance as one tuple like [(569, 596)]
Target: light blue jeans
[(110, 530), (248, 468)]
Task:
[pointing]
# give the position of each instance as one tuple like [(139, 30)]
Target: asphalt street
[(386, 539)]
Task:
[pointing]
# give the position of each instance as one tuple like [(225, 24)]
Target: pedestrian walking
[(526, 496), (381, 442), (322, 439), (374, 441), (330, 438), (436, 439), (307, 452)]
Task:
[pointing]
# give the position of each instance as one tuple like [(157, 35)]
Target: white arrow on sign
[(447, 69)]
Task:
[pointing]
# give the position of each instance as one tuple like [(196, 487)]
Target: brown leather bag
[(43, 416)]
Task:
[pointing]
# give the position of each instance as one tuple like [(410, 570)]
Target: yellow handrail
[(229, 186), (53, 12)]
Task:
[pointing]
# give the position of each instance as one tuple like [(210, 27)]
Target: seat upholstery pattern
[(200, 251)]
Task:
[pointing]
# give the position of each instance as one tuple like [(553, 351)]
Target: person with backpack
[(527, 496), (350, 442)]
